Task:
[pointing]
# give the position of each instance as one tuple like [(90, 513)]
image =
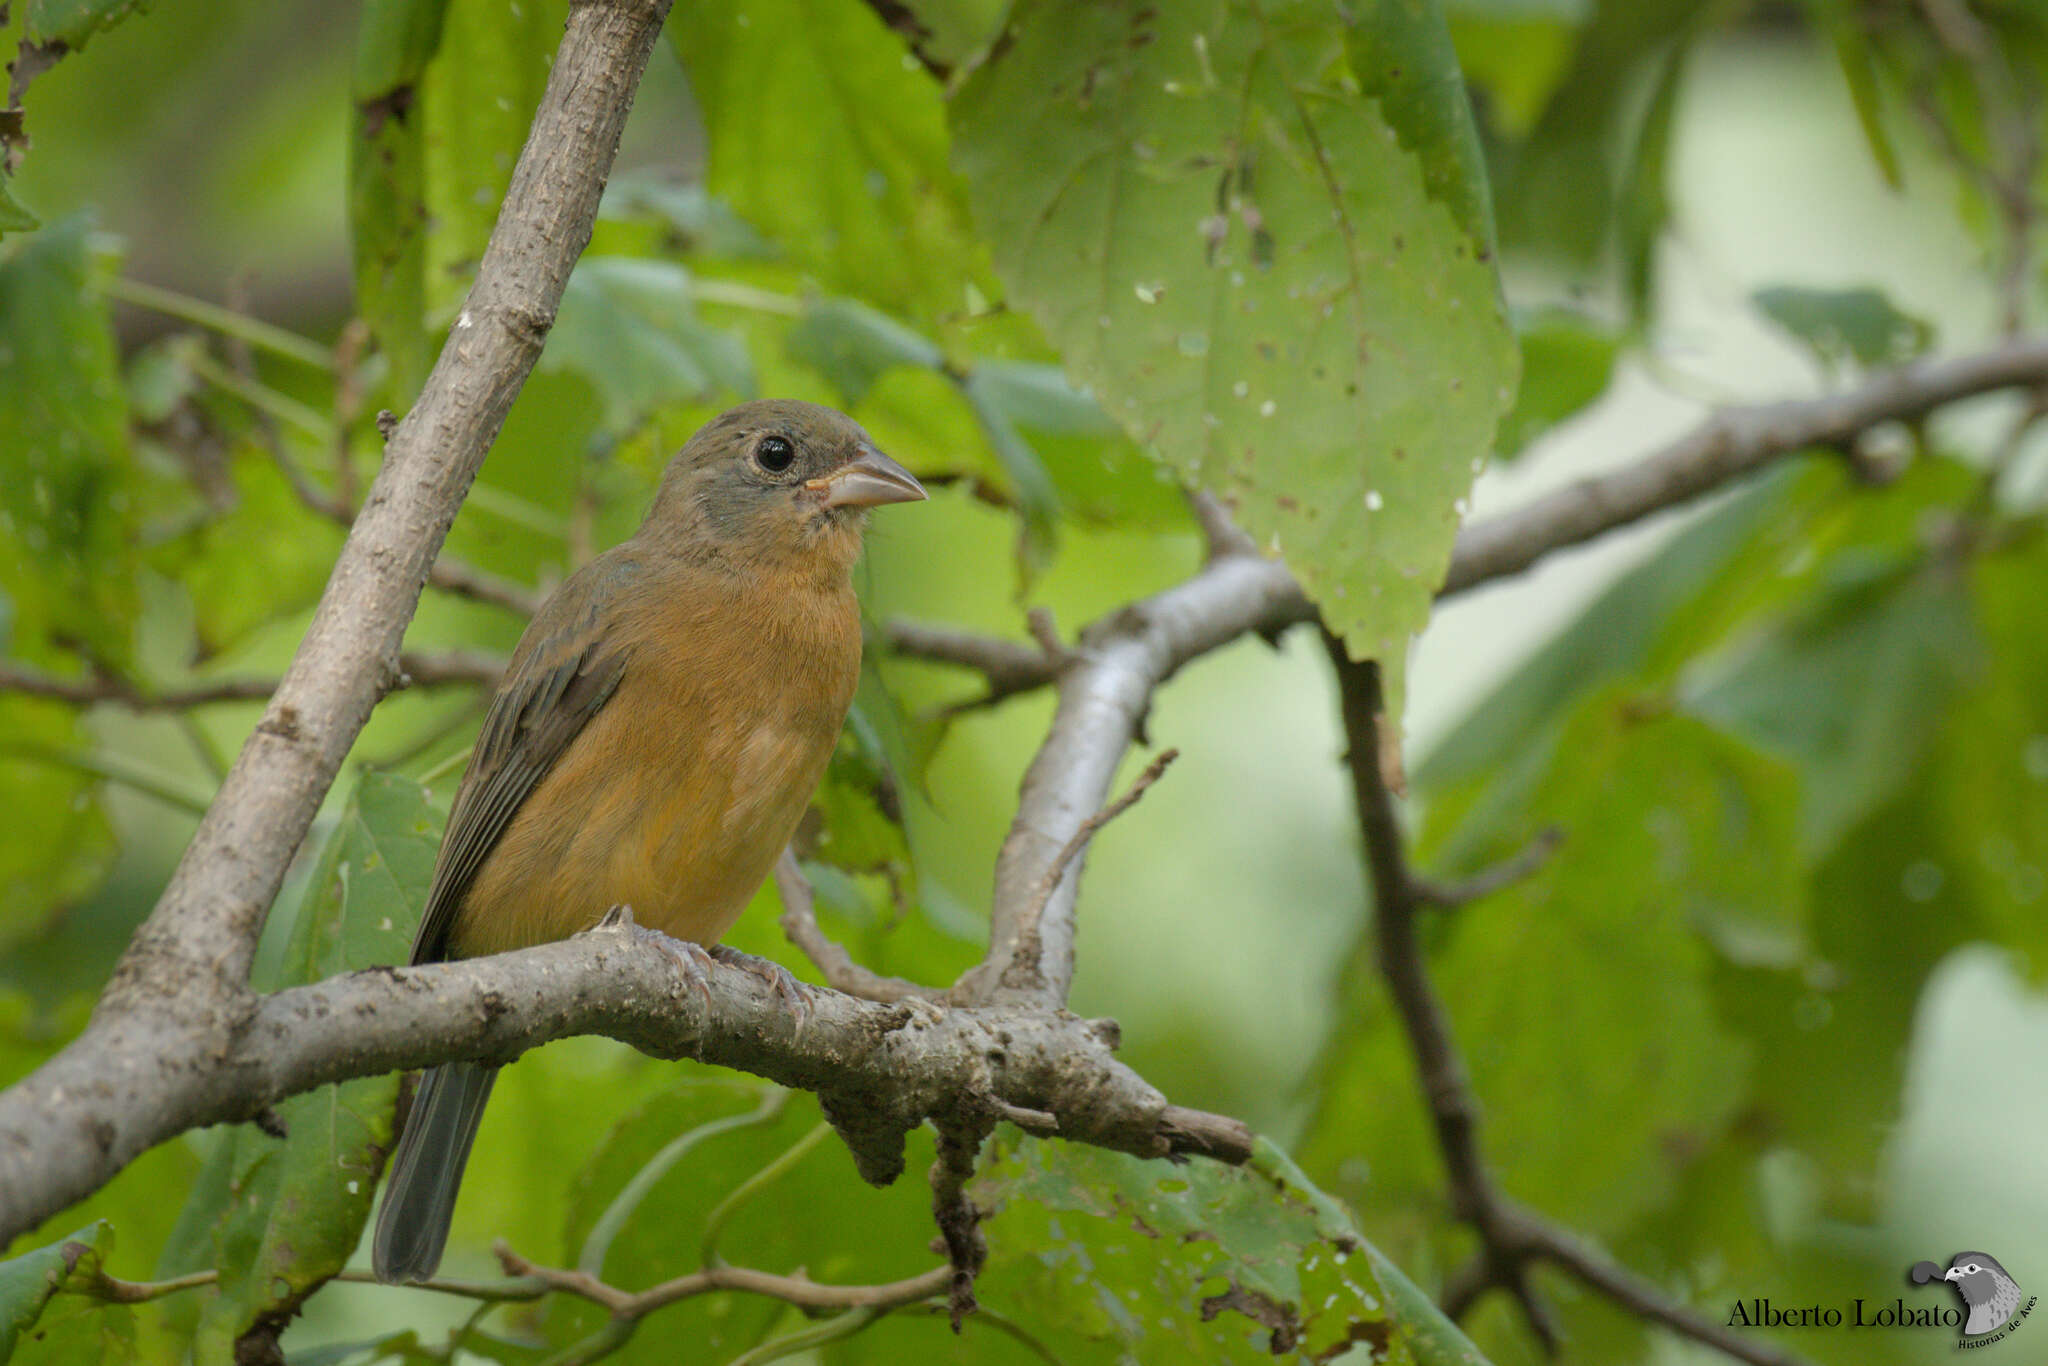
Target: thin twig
[(420, 669), (796, 1290), (799, 923), (1483, 884), (1511, 1237), (448, 574), (1026, 959)]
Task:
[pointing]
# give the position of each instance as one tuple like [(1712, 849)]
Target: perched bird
[(654, 741), (1991, 1294)]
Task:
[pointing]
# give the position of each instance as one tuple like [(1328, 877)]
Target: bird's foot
[(690, 959), (794, 994)]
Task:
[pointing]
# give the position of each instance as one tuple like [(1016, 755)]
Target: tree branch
[(881, 1070), (1511, 1237), (799, 923), (417, 669)]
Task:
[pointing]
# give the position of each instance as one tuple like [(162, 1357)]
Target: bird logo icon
[(1990, 1294)]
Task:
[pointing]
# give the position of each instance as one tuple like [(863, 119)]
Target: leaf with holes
[(1233, 250)]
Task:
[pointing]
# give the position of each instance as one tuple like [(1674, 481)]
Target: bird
[(654, 741), (1984, 1285)]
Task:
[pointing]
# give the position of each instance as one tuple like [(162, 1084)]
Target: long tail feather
[(412, 1227)]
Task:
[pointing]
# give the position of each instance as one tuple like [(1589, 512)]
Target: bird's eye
[(774, 454)]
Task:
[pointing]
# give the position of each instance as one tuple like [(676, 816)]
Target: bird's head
[(776, 482), (1975, 1274)]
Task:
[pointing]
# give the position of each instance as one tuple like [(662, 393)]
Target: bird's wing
[(562, 675)]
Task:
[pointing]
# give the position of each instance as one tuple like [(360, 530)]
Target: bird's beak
[(866, 481), (1951, 1275)]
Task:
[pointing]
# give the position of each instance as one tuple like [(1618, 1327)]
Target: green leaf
[(73, 22), (13, 217), (1402, 55), (1643, 202), (828, 137), (388, 213), (29, 1282), (1557, 192), (1567, 361), (68, 500), (1233, 252), (853, 345), (630, 327), (1844, 690), (1859, 73), (1095, 471), (1203, 1262), (478, 97), (698, 221), (1840, 325), (279, 1217), (59, 844)]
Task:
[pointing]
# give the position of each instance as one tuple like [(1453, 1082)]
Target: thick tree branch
[(179, 998), (881, 1070), (1511, 1238)]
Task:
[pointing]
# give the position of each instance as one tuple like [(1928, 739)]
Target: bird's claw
[(690, 959), (794, 994)]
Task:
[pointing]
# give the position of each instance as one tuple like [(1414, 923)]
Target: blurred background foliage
[(1769, 1023)]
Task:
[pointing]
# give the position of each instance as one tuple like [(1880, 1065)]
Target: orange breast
[(679, 795)]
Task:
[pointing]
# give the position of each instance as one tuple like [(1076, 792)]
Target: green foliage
[(1253, 275), (824, 137), (68, 501), (1847, 324), (279, 1216), (1111, 1258), (630, 327), (29, 1283)]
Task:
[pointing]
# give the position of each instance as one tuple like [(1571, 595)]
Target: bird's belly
[(682, 831), (702, 849)]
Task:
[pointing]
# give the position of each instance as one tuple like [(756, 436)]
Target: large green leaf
[(278, 1217), (1232, 250), (1113, 1258), (828, 137)]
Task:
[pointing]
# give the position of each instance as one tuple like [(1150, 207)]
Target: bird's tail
[(412, 1227)]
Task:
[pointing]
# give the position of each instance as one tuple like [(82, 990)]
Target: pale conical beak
[(868, 481)]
